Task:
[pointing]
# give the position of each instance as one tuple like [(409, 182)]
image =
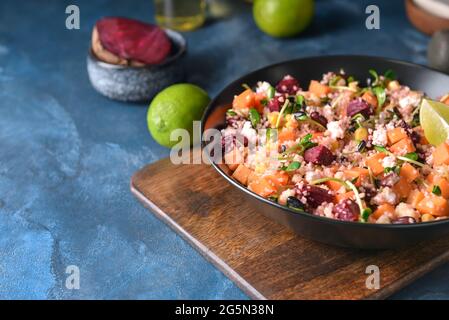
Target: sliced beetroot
[(274, 104), (347, 210), (315, 195), (319, 155), (135, 40), (359, 106), (288, 85)]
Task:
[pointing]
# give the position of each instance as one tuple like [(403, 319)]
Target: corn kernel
[(290, 121), (361, 134), (427, 217), (272, 118), (334, 145), (393, 85)]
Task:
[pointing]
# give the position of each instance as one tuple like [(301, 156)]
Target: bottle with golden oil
[(182, 15)]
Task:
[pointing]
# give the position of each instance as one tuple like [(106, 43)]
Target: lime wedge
[(434, 119)]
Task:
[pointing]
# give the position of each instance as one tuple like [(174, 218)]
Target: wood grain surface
[(265, 259)]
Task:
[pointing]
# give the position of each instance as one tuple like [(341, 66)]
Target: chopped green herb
[(306, 142), (271, 134), (394, 169), (254, 117), (390, 75), (281, 113), (436, 190), (273, 198), (374, 74), (334, 80), (365, 214), (246, 86), (270, 92), (415, 121), (231, 112), (381, 149), (350, 79), (300, 100), (381, 98), (295, 165), (301, 116), (412, 156)]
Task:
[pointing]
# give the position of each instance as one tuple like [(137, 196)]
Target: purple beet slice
[(359, 106), (347, 210), (135, 40), (288, 85), (319, 155), (315, 195)]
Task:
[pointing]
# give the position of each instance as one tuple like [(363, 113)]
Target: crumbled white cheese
[(336, 129), (312, 175), (406, 210), (249, 132), (380, 137), (385, 196), (384, 219), (328, 112), (389, 162), (262, 87)]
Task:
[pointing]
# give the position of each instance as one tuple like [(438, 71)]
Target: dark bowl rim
[(174, 36), (327, 220)]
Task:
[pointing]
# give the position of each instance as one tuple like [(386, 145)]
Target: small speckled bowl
[(127, 83)]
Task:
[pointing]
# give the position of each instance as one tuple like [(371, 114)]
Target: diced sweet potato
[(434, 205), (242, 173), (279, 178), (375, 163), (442, 183), (258, 101), (262, 187), (339, 197), (317, 135), (415, 197), (287, 135), (382, 209), (233, 158), (395, 135), (369, 97), (409, 172), (319, 89), (334, 185), (245, 100), (441, 154), (360, 174), (252, 176), (430, 177), (403, 147), (402, 188)]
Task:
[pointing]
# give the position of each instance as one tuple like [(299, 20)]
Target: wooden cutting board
[(265, 259)]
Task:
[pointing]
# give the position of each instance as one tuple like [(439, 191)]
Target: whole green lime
[(283, 18), (175, 107)]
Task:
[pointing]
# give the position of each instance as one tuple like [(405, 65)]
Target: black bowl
[(331, 231)]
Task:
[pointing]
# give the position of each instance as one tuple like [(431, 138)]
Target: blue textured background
[(67, 153)]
